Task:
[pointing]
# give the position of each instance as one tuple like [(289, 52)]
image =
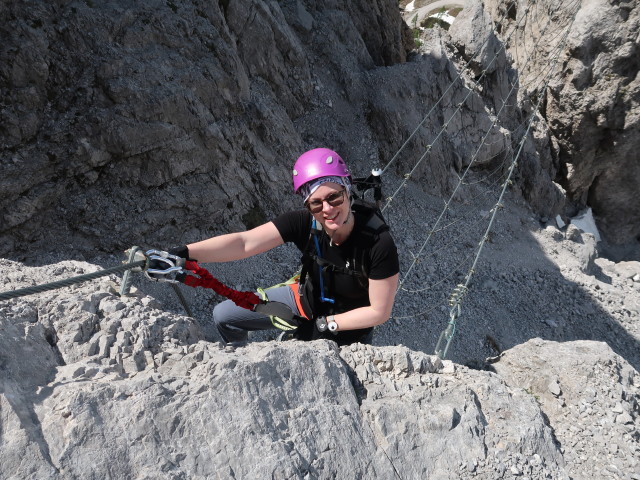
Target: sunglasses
[(335, 200)]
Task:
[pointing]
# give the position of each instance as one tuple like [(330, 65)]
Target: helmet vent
[(329, 159)]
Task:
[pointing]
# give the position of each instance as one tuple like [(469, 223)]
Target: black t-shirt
[(375, 256)]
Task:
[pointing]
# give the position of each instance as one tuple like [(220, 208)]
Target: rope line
[(461, 178), (70, 281), (504, 42), (382, 448), (459, 105), (182, 298), (459, 77), (452, 271), (460, 291), (533, 86)]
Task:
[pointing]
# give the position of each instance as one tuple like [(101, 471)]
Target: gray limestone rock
[(591, 105), (123, 112), (594, 400), (136, 393), (165, 122)]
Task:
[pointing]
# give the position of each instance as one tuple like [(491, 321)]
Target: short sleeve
[(384, 258), (294, 227)]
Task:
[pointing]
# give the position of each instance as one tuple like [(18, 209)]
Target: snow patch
[(444, 16), (585, 222)]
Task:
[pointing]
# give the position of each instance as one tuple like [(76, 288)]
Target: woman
[(350, 262)]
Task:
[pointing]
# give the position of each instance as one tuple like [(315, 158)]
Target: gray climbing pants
[(234, 323)]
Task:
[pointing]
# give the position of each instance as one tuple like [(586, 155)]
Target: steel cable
[(460, 291), (22, 292)]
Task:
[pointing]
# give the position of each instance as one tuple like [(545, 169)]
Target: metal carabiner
[(156, 270)]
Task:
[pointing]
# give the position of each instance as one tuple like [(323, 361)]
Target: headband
[(308, 188)]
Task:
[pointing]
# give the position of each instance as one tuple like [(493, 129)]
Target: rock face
[(123, 114), (159, 122), (589, 398), (97, 385), (591, 106), (482, 42)]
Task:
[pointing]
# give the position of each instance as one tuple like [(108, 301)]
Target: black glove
[(181, 251), (288, 324), (321, 324)]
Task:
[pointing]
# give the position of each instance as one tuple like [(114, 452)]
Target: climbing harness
[(321, 267), (283, 322)]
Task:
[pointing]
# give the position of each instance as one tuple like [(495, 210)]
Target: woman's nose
[(326, 206)]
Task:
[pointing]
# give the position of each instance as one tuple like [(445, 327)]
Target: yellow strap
[(294, 279)]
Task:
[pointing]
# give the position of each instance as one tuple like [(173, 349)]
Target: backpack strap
[(307, 259), (370, 219), (372, 224)]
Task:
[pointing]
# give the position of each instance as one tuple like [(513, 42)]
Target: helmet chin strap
[(346, 222), (348, 219), (350, 214)]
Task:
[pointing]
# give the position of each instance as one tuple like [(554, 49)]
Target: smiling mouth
[(331, 219)]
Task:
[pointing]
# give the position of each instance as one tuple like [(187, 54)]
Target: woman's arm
[(236, 246), (381, 296)]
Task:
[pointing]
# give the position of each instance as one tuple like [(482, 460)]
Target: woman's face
[(332, 205)]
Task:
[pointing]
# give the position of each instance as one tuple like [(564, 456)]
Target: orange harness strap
[(296, 296)]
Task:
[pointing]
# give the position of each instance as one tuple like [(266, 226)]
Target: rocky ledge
[(95, 385)]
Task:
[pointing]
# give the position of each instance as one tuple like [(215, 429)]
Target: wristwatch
[(327, 323), (331, 324)]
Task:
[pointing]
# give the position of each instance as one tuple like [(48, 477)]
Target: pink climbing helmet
[(318, 163)]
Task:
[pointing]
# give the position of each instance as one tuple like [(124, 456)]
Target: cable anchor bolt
[(134, 254)]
